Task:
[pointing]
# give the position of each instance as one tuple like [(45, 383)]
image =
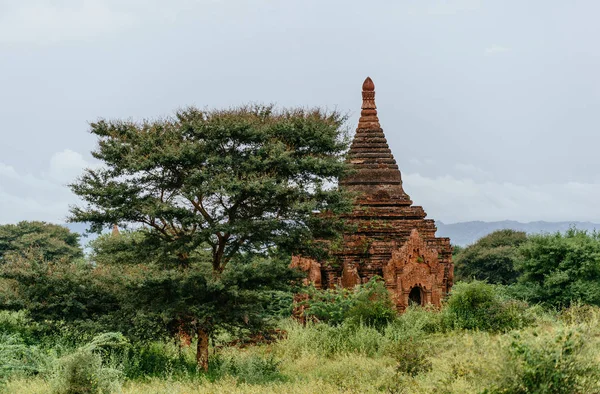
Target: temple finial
[(115, 230), (368, 115)]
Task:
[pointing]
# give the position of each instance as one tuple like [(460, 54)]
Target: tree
[(54, 291), (52, 241), (491, 258), (559, 269), (233, 183)]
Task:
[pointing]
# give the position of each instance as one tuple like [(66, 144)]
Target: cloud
[(65, 166), (43, 22), (451, 199), (26, 196), (496, 50), (472, 171)]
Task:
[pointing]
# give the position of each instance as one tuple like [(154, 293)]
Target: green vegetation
[(195, 296), (492, 258), (53, 242), (559, 269), (224, 197), (417, 352)]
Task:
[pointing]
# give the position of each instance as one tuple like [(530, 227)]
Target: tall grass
[(419, 352)]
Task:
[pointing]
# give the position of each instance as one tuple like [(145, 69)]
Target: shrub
[(411, 357), (372, 305), (481, 306), (17, 323), (367, 304), (82, 372), (417, 320), (17, 358), (553, 363), (250, 369), (560, 269)]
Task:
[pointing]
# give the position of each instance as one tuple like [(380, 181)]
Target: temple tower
[(391, 237)]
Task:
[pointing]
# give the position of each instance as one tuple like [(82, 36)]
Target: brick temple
[(391, 237)]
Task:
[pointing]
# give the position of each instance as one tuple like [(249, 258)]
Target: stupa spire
[(368, 114), (376, 175)]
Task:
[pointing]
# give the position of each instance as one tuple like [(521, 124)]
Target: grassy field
[(555, 353)]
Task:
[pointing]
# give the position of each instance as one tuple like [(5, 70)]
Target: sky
[(491, 108)]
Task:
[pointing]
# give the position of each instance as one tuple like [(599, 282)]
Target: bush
[(560, 269), (250, 369), (82, 372), (367, 304), (411, 357), (481, 306), (17, 358), (18, 323), (553, 363)]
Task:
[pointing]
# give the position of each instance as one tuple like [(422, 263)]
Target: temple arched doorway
[(415, 297)]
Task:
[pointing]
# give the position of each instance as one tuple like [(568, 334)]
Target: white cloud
[(26, 196), (496, 49), (452, 199), (42, 22), (65, 166), (472, 171)]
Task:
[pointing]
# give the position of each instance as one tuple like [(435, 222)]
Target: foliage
[(126, 248), (230, 184), (407, 356), (82, 372), (252, 369), (54, 291), (560, 269), (411, 355), (481, 306), (549, 364), (368, 304), (19, 358), (234, 180), (491, 258), (52, 241)]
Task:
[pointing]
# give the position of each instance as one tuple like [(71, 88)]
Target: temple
[(390, 236)]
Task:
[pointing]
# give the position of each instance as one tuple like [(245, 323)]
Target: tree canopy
[(52, 241), (238, 180), (491, 258)]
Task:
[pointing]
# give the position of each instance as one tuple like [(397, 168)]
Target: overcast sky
[(491, 108)]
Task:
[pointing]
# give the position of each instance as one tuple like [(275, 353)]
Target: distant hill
[(463, 233), (466, 233)]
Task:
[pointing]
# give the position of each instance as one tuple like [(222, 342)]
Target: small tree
[(54, 291), (491, 258), (54, 242), (233, 183)]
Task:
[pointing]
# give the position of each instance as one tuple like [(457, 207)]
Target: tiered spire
[(376, 175), (368, 114)]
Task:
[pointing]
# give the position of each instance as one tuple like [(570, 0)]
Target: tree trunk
[(202, 350)]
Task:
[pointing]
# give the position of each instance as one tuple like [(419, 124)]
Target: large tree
[(232, 182)]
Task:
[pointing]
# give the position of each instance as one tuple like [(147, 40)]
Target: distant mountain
[(466, 233)]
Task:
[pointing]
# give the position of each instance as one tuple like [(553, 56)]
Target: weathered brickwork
[(390, 238)]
